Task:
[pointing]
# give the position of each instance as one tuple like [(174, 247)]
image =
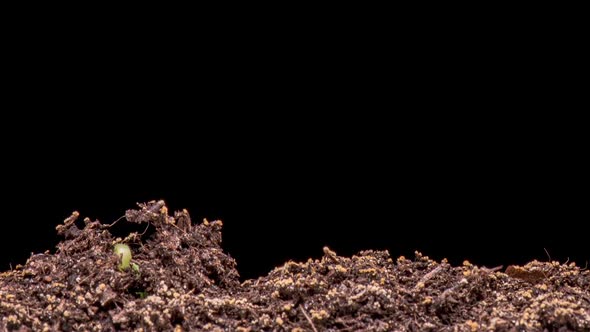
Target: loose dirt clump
[(180, 280)]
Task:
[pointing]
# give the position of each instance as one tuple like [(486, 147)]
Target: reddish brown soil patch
[(184, 282)]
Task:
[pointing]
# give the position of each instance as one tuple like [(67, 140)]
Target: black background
[(457, 144)]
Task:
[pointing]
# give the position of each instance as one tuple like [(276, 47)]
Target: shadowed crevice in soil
[(181, 280)]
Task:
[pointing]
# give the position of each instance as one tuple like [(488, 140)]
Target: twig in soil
[(114, 222), (492, 269), (71, 219), (330, 254), (547, 252), (180, 229), (145, 230), (452, 289), (308, 319), (428, 276)]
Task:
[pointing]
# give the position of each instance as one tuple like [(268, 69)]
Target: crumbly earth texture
[(181, 280)]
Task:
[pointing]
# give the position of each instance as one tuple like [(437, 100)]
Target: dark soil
[(183, 281)]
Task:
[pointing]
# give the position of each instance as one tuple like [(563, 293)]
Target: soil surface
[(181, 280)]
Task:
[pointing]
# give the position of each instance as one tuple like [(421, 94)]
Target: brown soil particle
[(181, 280)]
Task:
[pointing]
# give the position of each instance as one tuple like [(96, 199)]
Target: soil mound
[(179, 279)]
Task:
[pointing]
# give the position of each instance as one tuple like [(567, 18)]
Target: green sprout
[(123, 251), (142, 295)]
